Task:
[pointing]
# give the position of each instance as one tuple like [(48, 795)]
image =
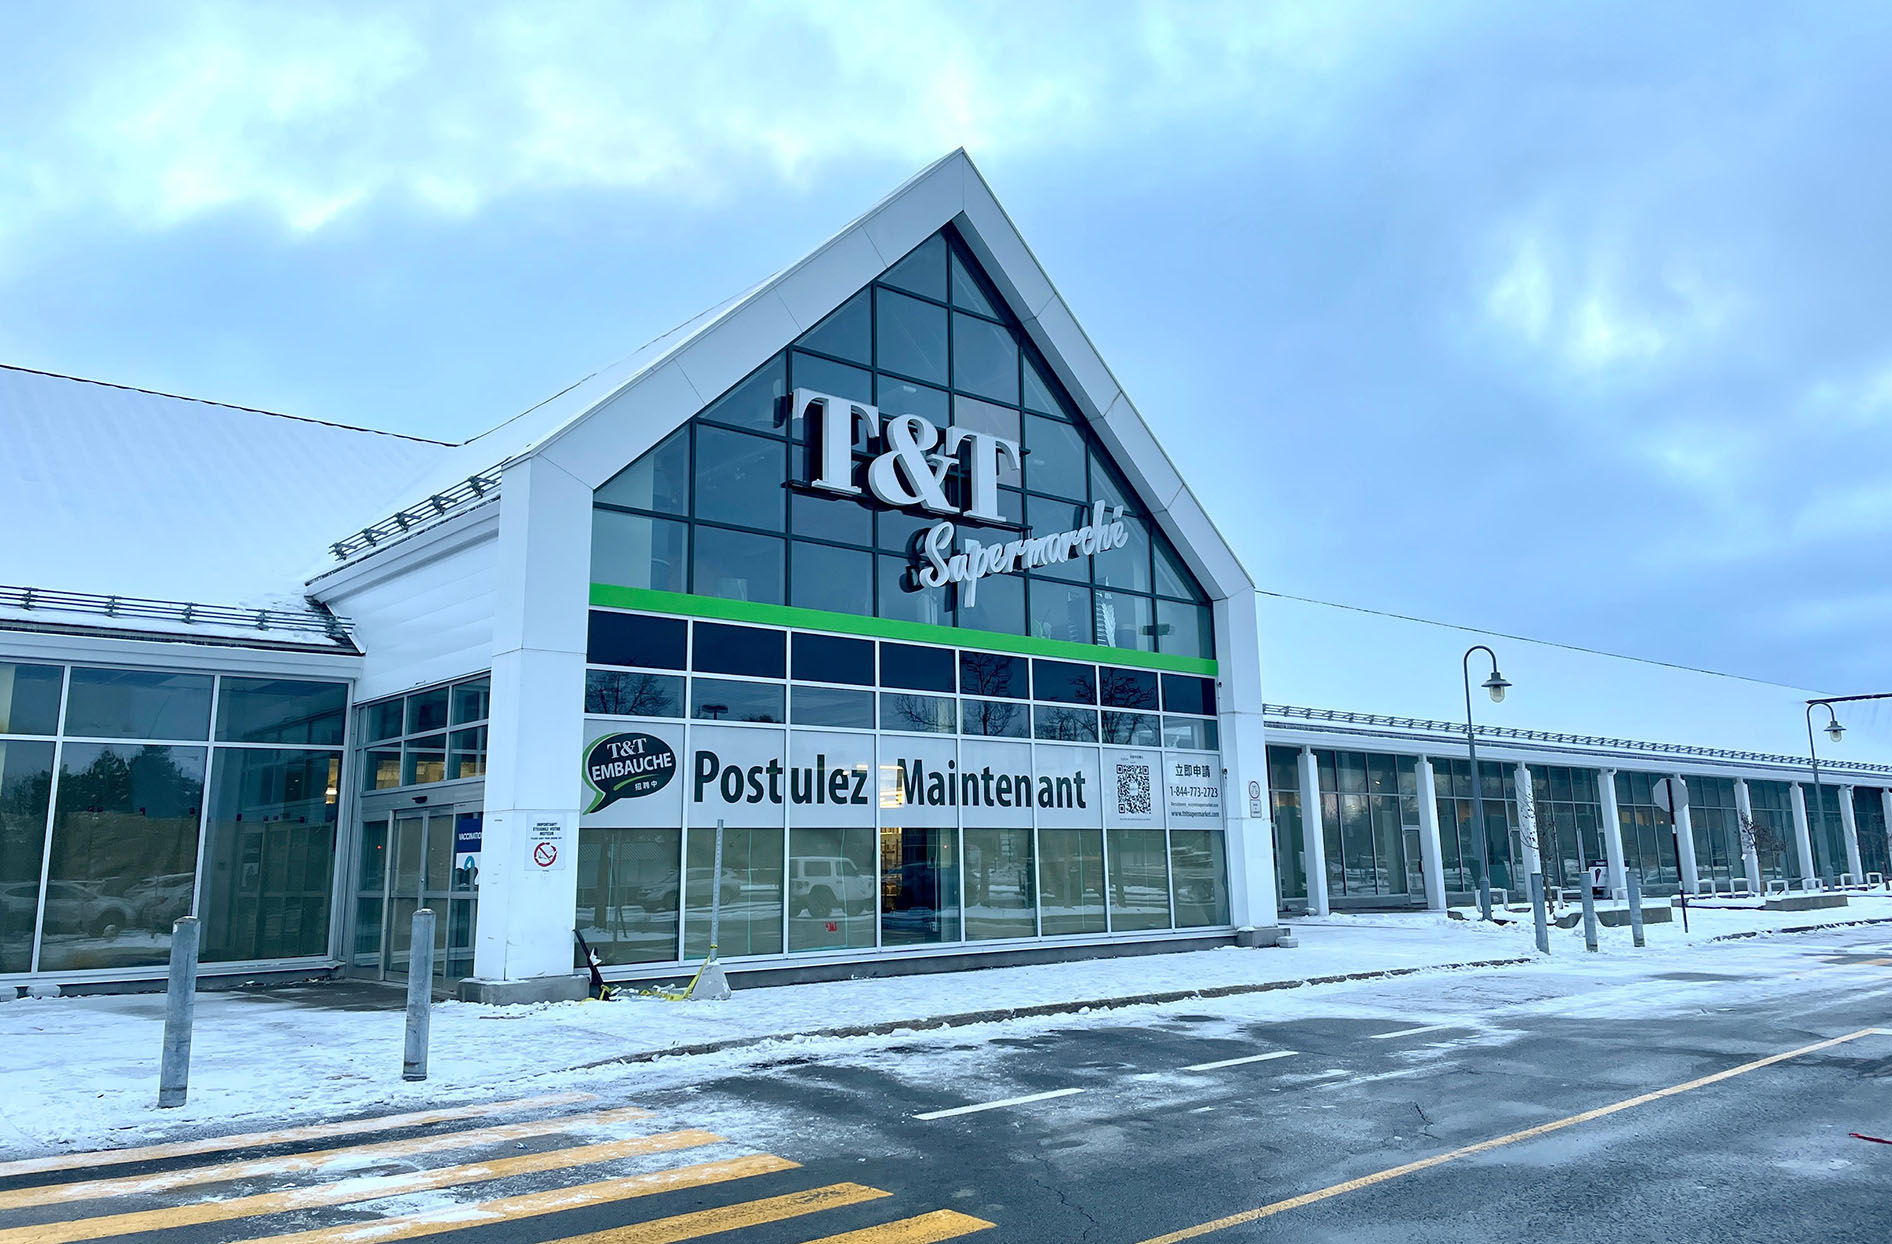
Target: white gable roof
[(607, 420), (120, 491)]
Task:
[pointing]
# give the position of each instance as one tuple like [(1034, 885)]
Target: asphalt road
[(1143, 1124)]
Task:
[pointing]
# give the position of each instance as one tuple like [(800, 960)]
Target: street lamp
[(1496, 686)]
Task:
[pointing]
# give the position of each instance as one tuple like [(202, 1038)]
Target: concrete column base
[(572, 988)]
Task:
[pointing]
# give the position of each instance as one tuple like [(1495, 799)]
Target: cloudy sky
[(1567, 321)]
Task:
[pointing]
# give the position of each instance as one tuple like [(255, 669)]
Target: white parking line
[(1411, 1032), (1236, 1062), (994, 1105)]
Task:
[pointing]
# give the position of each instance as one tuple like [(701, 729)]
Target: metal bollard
[(1589, 918), (1635, 908), (420, 995), (1538, 915), (180, 1007)]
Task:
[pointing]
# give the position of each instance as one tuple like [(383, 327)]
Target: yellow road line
[(283, 1136), (941, 1224), (534, 1204), (1485, 1146), (731, 1217), (161, 1181), (347, 1191)]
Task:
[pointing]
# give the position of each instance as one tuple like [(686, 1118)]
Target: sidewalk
[(82, 1072)]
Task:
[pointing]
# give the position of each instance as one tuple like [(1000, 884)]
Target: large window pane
[(1054, 458), (911, 337), (837, 379), (26, 782), (898, 599), (1062, 611), (993, 673), (1199, 872), (736, 565), (985, 359), (1127, 567), (1063, 723), (427, 710), (839, 580), (124, 853), (996, 718), (138, 704), (1125, 621), (721, 699), (472, 701), (831, 889), (1139, 879), (29, 698), (841, 519), (927, 714), (1047, 516), (634, 639), (898, 396), (1071, 880), (627, 893), (749, 890), (740, 479), (753, 650), (1184, 630), (922, 270), (831, 706), (629, 550), (658, 481), (424, 760), (1001, 894), (998, 605), (274, 710), (919, 886), (269, 854), (846, 332), (834, 658), (1000, 421), (621, 693)]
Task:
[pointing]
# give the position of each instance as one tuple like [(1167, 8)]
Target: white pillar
[(1313, 841), (1849, 830), (1612, 831), (1802, 839), (1528, 828), (1431, 852), (523, 945), (1250, 840), (1684, 835), (1750, 857)]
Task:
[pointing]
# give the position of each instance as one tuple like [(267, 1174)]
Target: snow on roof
[(123, 491), (1319, 655)]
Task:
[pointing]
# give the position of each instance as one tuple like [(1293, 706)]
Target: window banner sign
[(1003, 771), (1193, 789), (1067, 794), (1132, 799), (630, 774), (830, 779), (921, 783), (740, 775)]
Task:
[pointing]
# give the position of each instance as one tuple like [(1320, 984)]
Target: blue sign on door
[(467, 829)]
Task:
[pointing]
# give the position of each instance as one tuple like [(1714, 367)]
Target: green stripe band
[(609, 596)]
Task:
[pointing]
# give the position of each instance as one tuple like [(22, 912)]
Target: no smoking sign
[(545, 845)]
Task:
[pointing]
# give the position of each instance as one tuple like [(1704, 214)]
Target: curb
[(999, 1014), (1801, 928)]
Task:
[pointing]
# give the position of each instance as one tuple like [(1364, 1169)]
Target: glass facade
[(1869, 821), (140, 796), (1714, 819), (1290, 849), (435, 735), (725, 507), (1825, 831), (1773, 830), (886, 795), (1369, 808), (1648, 834), (1460, 852), (1569, 818)]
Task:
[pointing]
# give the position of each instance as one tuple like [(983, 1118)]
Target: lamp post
[(1496, 686), (1835, 732)]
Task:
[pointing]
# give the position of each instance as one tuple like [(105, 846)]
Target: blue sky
[(1567, 321)]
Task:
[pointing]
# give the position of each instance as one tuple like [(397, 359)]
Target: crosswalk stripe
[(347, 1191), (534, 1204), (282, 1136), (704, 1222), (161, 1181), (941, 1224)]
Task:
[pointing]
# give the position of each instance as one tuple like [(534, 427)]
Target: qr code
[(1133, 789)]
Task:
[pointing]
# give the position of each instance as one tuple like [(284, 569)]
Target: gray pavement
[(1139, 1125)]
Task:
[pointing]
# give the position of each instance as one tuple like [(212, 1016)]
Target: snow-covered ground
[(81, 1072)]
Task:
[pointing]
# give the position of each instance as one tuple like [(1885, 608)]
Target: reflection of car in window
[(819, 884), (158, 901), (73, 907)]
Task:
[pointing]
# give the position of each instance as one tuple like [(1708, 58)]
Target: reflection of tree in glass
[(1123, 689), (1067, 725), (920, 712), (989, 673), (994, 717), (633, 695)]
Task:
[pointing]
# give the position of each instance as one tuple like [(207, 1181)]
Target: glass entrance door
[(412, 860)]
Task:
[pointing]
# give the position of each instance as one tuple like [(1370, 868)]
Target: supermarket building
[(875, 568)]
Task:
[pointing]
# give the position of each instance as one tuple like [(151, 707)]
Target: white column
[(1750, 858), (1252, 891), (1313, 841), (1612, 831), (1802, 839), (1528, 827), (1431, 852), (1684, 835), (523, 945), (1849, 832)]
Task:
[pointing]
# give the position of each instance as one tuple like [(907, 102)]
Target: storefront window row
[(434, 735), (1569, 815), (724, 507), (1714, 819), (129, 798), (715, 671), (1773, 830), (1369, 823), (1875, 854)]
